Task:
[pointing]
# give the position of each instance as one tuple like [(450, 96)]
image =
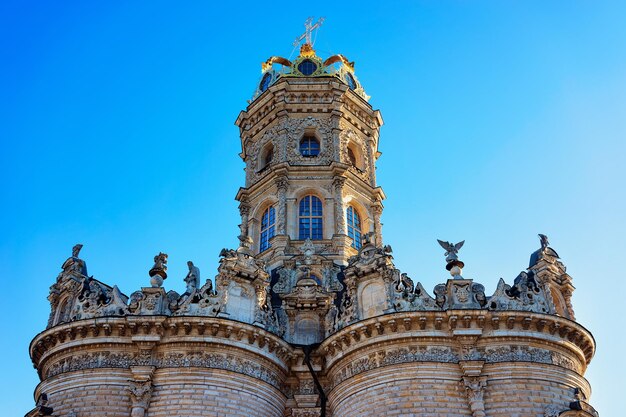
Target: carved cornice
[(493, 329), (147, 335)]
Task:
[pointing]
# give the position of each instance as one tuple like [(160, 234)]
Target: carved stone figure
[(440, 295), (193, 278), (478, 290), (286, 281), (74, 264), (451, 250), (228, 254), (330, 282)]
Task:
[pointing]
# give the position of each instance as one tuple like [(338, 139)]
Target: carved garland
[(170, 360), (447, 355)]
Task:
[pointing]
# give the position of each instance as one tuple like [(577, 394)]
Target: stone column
[(340, 216), (475, 389), (377, 210), (244, 210), (372, 163), (282, 183), (140, 388)]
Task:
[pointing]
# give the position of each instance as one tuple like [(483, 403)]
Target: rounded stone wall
[(456, 363), (158, 366)]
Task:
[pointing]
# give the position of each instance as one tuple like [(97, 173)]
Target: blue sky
[(502, 120)]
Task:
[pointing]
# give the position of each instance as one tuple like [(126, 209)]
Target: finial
[(307, 32), (545, 248), (453, 264), (158, 271), (245, 243)]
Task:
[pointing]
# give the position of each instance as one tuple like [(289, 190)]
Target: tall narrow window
[(267, 157), (310, 218), (267, 228), (354, 227)]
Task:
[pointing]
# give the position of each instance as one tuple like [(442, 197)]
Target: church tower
[(309, 141), (309, 315)]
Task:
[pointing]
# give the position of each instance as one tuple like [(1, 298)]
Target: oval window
[(307, 67), (265, 82)]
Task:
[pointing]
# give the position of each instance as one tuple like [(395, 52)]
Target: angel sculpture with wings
[(451, 250)]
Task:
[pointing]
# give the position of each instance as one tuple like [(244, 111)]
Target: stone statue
[(74, 263), (545, 248), (193, 278), (228, 253), (451, 250)]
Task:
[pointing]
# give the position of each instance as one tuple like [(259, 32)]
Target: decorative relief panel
[(296, 129), (168, 360), (395, 356)]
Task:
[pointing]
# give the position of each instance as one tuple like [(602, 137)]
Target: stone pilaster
[(340, 217), (140, 388), (377, 210), (282, 184), (244, 211)]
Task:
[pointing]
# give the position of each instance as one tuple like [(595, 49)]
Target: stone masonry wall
[(528, 389), (402, 390), (93, 392), (212, 393)]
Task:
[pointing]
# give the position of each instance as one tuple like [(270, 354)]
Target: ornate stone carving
[(524, 295), (282, 184), (158, 271), (330, 280), (192, 279), (98, 300), (286, 281), (295, 131), (254, 148), (347, 136), (140, 394), (73, 264), (527, 354), (395, 356), (149, 301), (409, 297), (340, 217), (475, 389), (201, 302), (170, 360)]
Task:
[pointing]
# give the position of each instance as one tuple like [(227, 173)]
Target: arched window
[(267, 156), (310, 218), (354, 227), (309, 146), (268, 228), (351, 157)]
